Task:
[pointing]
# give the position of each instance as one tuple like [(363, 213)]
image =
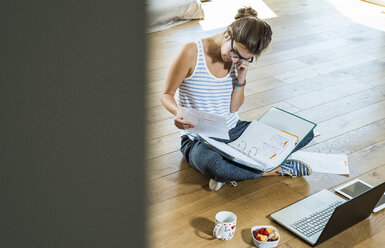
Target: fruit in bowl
[(263, 233), (266, 235)]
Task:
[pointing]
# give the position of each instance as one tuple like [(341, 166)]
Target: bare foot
[(276, 172)]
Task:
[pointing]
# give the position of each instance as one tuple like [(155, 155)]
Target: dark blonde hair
[(252, 32)]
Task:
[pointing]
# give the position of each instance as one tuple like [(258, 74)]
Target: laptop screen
[(352, 212)]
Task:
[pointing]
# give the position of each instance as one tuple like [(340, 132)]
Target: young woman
[(211, 76)]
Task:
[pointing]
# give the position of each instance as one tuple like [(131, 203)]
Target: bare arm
[(237, 99), (182, 67), (238, 96)]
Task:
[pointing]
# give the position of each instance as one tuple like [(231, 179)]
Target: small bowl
[(268, 244)]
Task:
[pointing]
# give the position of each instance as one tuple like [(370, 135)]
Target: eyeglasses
[(236, 55)]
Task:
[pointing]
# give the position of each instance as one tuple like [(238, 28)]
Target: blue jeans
[(212, 164)]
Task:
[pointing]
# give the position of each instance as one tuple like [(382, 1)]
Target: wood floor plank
[(373, 46), (377, 239), (324, 68), (329, 94), (158, 113), (163, 145), (300, 7), (353, 141), (167, 164), (321, 11), (321, 33), (348, 122), (329, 109), (312, 84), (161, 128), (271, 70), (323, 46)]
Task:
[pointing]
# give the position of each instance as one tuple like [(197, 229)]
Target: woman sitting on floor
[(211, 77)]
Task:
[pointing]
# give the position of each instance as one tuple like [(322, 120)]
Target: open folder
[(266, 142)]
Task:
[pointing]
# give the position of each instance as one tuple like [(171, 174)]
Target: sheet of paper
[(324, 162), (264, 143), (207, 124)]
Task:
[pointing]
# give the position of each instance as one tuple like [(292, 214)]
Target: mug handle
[(217, 228)]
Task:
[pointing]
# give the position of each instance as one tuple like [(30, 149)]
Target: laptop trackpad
[(312, 203)]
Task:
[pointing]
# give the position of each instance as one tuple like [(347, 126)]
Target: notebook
[(266, 142), (324, 214)]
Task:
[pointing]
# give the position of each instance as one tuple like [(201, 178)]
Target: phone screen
[(355, 189)]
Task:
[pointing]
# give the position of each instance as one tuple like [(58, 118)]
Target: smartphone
[(353, 188)]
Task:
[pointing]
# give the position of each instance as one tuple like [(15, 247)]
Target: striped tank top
[(207, 93)]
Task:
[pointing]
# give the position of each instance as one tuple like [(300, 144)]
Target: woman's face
[(233, 51)]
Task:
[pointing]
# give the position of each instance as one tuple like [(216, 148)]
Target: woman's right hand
[(180, 123)]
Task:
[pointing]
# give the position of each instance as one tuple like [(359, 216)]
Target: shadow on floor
[(246, 237), (203, 227)]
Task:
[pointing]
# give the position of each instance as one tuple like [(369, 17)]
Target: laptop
[(324, 214)]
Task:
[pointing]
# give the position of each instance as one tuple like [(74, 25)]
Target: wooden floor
[(327, 64)]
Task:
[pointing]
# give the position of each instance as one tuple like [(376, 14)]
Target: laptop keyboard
[(316, 221)]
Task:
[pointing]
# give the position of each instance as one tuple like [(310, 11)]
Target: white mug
[(225, 223)]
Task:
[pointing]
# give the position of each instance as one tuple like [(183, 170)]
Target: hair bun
[(246, 12)]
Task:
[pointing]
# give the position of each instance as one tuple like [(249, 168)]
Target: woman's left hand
[(242, 67)]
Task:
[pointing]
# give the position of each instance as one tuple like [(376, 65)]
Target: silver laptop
[(324, 214)]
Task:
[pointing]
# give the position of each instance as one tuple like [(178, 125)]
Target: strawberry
[(261, 230), (266, 233)]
